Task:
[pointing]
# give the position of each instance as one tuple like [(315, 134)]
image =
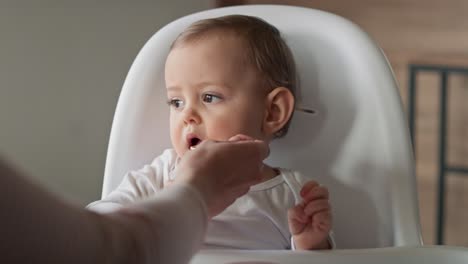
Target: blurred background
[(63, 63)]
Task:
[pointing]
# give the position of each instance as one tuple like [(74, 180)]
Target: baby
[(233, 78)]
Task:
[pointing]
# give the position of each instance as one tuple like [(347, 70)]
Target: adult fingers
[(258, 147), (240, 137)]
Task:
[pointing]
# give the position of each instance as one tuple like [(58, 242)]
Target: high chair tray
[(402, 255)]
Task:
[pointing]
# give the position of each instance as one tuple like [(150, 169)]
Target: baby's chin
[(182, 152)]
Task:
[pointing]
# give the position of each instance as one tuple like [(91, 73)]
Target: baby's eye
[(176, 103), (211, 98)]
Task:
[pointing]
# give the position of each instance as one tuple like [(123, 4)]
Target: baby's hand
[(310, 221)]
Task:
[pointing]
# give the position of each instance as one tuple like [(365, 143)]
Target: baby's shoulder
[(165, 162), (290, 175), (167, 157)]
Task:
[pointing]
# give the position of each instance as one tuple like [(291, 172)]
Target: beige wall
[(62, 65)]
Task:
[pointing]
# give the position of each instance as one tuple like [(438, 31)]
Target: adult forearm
[(37, 227), (169, 228)]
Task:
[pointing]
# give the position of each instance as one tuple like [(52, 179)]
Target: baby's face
[(212, 92)]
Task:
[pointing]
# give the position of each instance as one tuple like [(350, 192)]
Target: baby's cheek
[(221, 132)]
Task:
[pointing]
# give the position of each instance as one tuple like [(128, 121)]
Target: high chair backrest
[(357, 143)]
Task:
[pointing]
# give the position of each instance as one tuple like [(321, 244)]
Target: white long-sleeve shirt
[(257, 220)]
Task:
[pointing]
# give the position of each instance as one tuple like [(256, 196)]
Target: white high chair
[(357, 143)]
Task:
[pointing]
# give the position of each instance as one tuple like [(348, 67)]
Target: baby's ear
[(279, 108)]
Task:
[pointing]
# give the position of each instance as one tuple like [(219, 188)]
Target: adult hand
[(223, 171)]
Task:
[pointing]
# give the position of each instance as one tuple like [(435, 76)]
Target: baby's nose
[(191, 116)]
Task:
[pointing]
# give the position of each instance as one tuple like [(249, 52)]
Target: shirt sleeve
[(138, 185)]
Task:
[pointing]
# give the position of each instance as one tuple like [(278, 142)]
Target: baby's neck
[(269, 173)]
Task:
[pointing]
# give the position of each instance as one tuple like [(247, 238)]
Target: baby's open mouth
[(194, 142)]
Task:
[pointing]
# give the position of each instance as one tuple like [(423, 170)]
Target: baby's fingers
[(297, 220), (308, 186), (316, 206), (317, 192), (322, 221), (298, 214)]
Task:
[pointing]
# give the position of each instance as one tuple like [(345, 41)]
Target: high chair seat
[(356, 143)]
